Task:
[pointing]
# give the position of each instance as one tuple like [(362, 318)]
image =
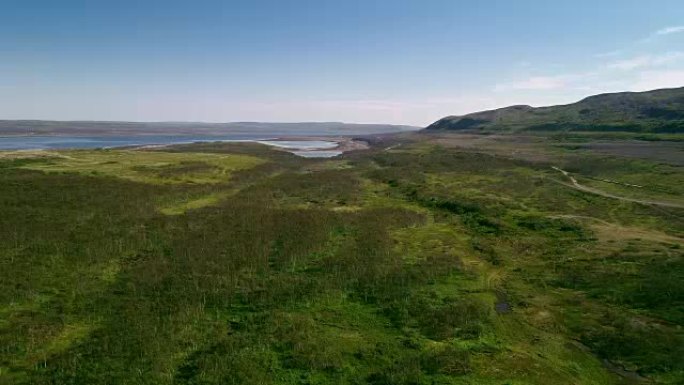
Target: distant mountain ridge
[(651, 111), (86, 128)]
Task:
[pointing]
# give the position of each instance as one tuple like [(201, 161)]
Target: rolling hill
[(652, 111), (112, 128)]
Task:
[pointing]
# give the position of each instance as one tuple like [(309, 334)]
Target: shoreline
[(331, 145)]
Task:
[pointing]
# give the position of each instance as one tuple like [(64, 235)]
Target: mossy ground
[(422, 264)]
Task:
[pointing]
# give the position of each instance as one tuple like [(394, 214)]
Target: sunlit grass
[(150, 166), (181, 207)]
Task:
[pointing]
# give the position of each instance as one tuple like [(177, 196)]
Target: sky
[(383, 61)]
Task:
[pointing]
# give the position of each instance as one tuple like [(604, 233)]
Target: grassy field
[(428, 259), (148, 167)]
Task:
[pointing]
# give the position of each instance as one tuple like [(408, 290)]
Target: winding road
[(576, 185)]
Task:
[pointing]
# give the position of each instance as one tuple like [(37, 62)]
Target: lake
[(304, 148), (64, 142)]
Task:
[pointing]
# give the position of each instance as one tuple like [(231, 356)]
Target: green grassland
[(414, 262), (149, 167)]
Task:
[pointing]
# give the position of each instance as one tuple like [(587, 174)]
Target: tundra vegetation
[(431, 258)]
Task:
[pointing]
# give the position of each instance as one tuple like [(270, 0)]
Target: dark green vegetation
[(654, 111), (430, 259)]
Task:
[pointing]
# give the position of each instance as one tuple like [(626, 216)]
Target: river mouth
[(317, 154), (307, 148), (303, 145), (314, 147)]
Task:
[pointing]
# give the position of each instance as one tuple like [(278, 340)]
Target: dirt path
[(617, 232), (576, 185)]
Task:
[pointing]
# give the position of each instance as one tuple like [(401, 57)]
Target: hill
[(652, 111), (88, 128)]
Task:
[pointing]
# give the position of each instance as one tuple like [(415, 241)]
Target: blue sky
[(389, 61)]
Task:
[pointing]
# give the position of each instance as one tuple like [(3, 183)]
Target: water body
[(301, 144), (317, 154), (86, 142), (304, 148)]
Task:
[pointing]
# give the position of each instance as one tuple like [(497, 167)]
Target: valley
[(387, 192), (426, 258)]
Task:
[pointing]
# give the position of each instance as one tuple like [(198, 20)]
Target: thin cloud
[(631, 64), (661, 33), (646, 61), (609, 54), (650, 80), (670, 30), (542, 83), (535, 83)]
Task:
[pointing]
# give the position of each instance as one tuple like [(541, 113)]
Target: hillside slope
[(652, 111)]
